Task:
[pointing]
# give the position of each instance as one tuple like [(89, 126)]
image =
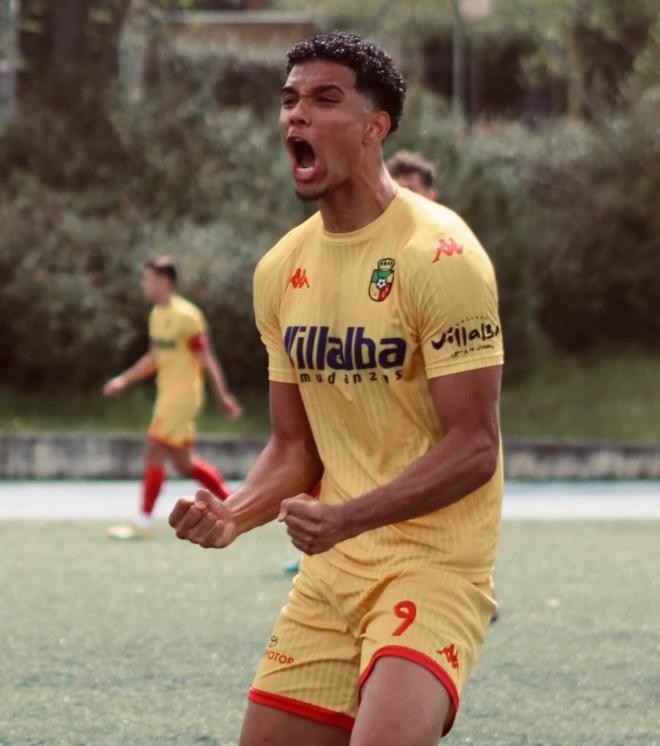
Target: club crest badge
[(382, 279)]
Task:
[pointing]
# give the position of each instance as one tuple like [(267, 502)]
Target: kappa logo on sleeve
[(299, 279), (447, 247)]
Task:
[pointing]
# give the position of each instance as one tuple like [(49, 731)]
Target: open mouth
[(303, 152), (303, 156)]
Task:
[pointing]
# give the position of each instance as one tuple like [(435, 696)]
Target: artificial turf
[(156, 642)]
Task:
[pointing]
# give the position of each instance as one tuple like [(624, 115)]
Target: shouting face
[(326, 125)]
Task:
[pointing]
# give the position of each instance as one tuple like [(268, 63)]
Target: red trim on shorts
[(200, 342), (398, 651), (302, 709), (169, 444)]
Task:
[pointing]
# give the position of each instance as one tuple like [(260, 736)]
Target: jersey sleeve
[(454, 297), (194, 329), (266, 302)]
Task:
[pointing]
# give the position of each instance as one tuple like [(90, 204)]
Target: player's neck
[(164, 299), (357, 203)]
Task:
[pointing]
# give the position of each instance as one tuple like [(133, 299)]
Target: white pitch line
[(118, 500)]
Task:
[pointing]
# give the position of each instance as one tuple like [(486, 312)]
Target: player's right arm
[(289, 465), (145, 367)]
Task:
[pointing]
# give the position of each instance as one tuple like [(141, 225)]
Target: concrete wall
[(548, 459), (91, 455)]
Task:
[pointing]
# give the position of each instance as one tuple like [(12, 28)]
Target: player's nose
[(299, 114)]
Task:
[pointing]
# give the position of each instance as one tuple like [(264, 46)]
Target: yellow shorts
[(336, 626), (173, 423)]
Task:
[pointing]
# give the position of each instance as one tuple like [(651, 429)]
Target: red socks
[(152, 481), (209, 477), (154, 476)]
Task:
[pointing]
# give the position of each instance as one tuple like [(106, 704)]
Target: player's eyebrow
[(319, 90)]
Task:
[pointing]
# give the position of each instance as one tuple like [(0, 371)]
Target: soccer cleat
[(291, 568), (129, 533)]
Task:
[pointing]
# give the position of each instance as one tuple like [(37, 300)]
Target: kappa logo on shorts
[(299, 279), (382, 279), (451, 654)]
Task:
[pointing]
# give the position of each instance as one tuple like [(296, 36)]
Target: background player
[(413, 172), (385, 371), (179, 351)]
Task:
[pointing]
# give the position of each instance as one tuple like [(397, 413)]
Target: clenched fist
[(313, 526), (204, 520)]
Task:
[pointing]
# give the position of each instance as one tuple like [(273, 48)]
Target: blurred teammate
[(413, 172), (380, 318), (179, 353)]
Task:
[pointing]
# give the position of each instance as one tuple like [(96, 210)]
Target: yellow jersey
[(176, 332), (360, 321)]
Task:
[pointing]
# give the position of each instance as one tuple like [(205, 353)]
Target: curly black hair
[(376, 74)]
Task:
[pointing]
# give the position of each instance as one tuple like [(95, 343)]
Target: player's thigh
[(403, 704), (311, 662), (434, 621), (265, 725), (154, 453), (182, 459)]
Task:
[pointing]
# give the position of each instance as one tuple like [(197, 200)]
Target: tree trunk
[(70, 51)]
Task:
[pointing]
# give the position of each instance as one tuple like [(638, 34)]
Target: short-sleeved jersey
[(360, 321), (175, 332)]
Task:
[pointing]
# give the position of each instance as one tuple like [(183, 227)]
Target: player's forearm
[(458, 465), (143, 368), (216, 378), (284, 469)]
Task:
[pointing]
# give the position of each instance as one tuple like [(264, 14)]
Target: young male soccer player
[(413, 172), (385, 359), (179, 352)]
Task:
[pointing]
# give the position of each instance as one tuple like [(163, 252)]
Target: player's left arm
[(467, 405), (218, 383)]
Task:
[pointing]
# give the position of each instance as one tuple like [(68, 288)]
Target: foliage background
[(566, 205)]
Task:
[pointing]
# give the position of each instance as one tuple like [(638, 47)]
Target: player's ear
[(378, 127)]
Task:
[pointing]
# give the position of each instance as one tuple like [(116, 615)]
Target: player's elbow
[(485, 456)]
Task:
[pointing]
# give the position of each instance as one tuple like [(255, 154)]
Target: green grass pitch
[(156, 642)]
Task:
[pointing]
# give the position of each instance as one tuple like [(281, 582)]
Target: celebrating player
[(380, 318), (413, 172), (178, 353)]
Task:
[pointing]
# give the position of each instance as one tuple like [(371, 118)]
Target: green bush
[(213, 191), (480, 178), (568, 215), (598, 232)]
